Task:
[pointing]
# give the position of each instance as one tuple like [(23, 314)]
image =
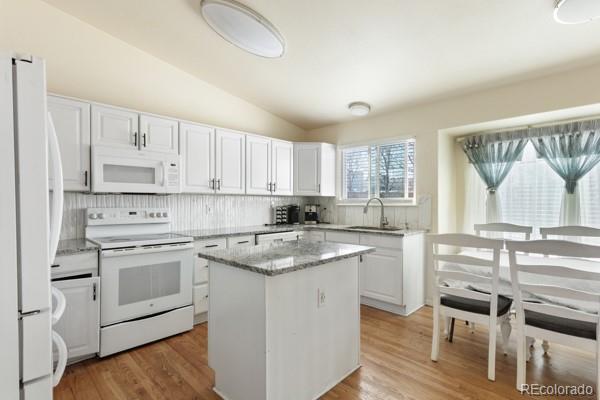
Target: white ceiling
[(389, 53)]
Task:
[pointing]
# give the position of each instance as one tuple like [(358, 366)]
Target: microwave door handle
[(164, 174), (57, 192)]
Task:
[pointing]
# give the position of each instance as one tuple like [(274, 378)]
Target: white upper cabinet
[(72, 122), (282, 167), (258, 165), (158, 134), (314, 169), (230, 162), (115, 127), (197, 149)]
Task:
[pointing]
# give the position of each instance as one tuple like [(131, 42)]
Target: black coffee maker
[(311, 213)]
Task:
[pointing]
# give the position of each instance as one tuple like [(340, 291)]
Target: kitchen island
[(284, 319)]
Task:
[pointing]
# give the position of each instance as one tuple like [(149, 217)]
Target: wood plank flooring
[(395, 365)]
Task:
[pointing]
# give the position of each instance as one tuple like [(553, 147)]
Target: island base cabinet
[(289, 336)]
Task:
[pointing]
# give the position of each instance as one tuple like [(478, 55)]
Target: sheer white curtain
[(589, 195)]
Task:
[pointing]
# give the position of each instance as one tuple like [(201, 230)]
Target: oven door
[(133, 171), (142, 281)]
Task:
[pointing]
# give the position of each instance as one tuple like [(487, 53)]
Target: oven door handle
[(146, 250)]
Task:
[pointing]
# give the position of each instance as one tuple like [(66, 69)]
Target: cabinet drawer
[(75, 264), (200, 299), (200, 270), (241, 241), (389, 242), (342, 237), (215, 244)]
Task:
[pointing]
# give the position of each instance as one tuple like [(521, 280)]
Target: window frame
[(392, 201)]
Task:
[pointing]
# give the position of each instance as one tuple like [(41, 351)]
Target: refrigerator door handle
[(61, 304), (62, 358), (57, 193)]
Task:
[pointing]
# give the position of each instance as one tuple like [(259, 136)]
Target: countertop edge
[(306, 265)]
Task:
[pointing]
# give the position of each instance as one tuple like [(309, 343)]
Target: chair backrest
[(441, 276), (561, 266), (504, 228), (570, 230)]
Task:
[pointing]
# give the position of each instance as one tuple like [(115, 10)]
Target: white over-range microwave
[(117, 170)]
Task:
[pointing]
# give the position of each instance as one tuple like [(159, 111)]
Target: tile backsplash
[(417, 216), (197, 211), (188, 211)]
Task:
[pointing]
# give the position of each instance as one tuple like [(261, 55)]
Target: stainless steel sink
[(376, 228)]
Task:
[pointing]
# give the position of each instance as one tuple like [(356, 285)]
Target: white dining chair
[(459, 301), (504, 228), (552, 319)]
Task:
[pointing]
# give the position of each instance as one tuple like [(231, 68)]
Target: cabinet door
[(381, 276), (80, 324), (197, 148), (306, 169), (230, 162), (72, 122), (283, 167), (159, 134), (115, 127), (258, 165)]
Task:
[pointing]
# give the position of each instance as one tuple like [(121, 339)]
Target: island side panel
[(312, 346), (236, 332), (414, 272)]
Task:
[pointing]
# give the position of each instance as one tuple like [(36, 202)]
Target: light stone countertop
[(74, 246), (280, 258), (201, 234)]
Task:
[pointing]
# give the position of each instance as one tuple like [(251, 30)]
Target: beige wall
[(85, 62), (435, 154)]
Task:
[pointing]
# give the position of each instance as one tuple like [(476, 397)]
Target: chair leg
[(505, 328), (545, 346), (451, 330), (435, 340), (447, 326), (530, 342), (492, 350), (522, 348)]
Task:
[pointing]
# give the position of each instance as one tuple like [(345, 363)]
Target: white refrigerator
[(29, 233)]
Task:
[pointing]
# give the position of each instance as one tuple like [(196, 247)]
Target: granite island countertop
[(280, 258), (74, 246), (201, 234)]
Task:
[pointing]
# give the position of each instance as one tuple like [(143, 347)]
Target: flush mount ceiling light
[(359, 108), (243, 27), (576, 11)]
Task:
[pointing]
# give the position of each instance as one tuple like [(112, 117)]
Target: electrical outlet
[(320, 298)]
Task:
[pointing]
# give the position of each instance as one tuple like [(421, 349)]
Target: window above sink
[(385, 170)]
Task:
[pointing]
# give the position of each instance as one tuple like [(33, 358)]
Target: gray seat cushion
[(561, 325), (475, 306)]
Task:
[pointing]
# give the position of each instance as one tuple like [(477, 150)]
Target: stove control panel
[(120, 216)]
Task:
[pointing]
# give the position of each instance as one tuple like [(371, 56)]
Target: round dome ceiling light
[(243, 27), (576, 11), (359, 108)]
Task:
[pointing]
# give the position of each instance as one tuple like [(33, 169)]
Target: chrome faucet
[(383, 220)]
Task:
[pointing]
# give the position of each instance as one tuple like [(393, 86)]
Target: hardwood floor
[(395, 365)]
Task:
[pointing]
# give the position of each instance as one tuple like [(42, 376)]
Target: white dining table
[(505, 286)]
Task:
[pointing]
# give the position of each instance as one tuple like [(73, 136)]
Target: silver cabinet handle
[(319, 190), (85, 178), (269, 187), (135, 139), (211, 183), (274, 186), (144, 139), (219, 184)]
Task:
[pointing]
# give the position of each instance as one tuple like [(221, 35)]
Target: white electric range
[(146, 276)]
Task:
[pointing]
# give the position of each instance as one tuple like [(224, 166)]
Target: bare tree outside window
[(385, 170)]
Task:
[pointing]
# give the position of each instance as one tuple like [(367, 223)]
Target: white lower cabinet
[(80, 324), (200, 280), (393, 277)]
